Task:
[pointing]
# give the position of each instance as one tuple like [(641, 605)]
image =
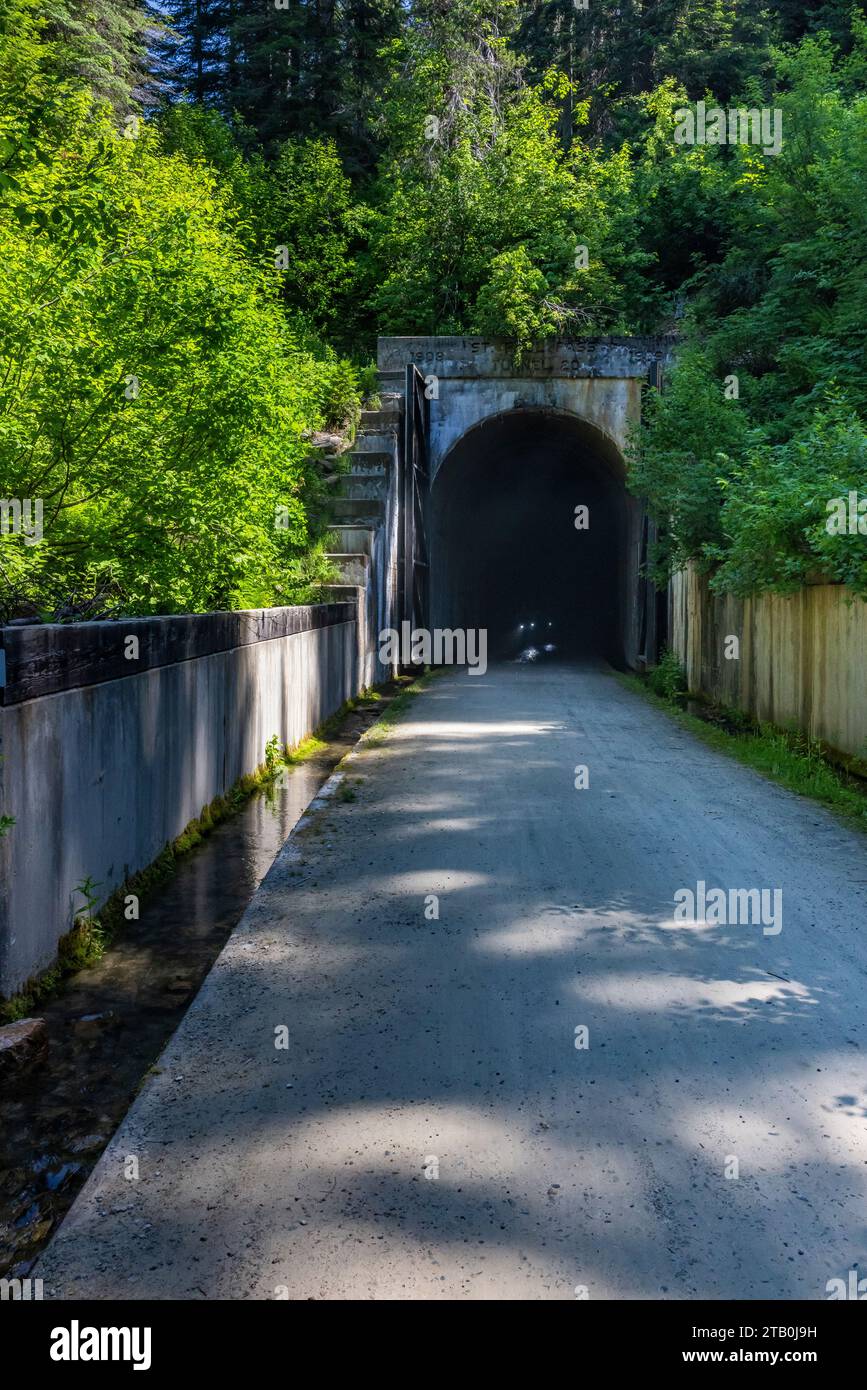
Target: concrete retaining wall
[(101, 776), (803, 657)]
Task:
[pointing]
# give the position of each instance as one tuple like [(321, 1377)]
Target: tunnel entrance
[(506, 554)]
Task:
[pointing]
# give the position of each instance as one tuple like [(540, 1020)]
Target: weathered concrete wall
[(597, 380), (566, 357), (803, 657), (608, 406), (100, 777)]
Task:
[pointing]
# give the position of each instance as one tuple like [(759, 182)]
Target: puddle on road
[(108, 1024)]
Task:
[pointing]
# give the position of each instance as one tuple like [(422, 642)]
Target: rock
[(93, 1023), (87, 1143), (22, 1045)]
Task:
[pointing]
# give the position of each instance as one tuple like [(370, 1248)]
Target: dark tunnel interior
[(506, 554)]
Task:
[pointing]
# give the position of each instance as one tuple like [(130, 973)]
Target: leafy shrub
[(682, 458), (742, 485), (776, 514), (339, 394), (668, 678), (368, 384), (157, 399), (512, 304)]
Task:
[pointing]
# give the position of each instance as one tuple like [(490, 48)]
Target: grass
[(784, 756), (308, 748), (398, 705), (409, 688)]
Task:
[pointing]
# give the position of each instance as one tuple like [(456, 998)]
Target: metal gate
[(415, 556)]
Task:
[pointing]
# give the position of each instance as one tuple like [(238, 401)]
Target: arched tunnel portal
[(506, 554)]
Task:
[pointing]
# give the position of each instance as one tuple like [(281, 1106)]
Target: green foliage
[(295, 213), (86, 889), (776, 515), (743, 485), (682, 459), (308, 207), (273, 756), (304, 577), (158, 400), (103, 45), (368, 384), (295, 70), (181, 311), (513, 303), (340, 396), (190, 51), (86, 941), (617, 51), (667, 679), (491, 203)]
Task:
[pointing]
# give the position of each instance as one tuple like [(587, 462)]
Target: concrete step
[(376, 443), (391, 387), (366, 459), (364, 470), (386, 417), (358, 511), (352, 568), (352, 540), (342, 593), (370, 486)]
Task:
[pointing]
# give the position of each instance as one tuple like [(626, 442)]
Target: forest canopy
[(209, 212)]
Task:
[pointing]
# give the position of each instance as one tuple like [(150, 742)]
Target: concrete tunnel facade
[(513, 450)]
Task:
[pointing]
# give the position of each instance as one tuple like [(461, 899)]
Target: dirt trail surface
[(431, 1129)]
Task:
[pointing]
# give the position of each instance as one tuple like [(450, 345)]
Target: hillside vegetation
[(208, 213)]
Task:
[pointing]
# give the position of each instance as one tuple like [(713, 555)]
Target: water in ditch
[(108, 1024)]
